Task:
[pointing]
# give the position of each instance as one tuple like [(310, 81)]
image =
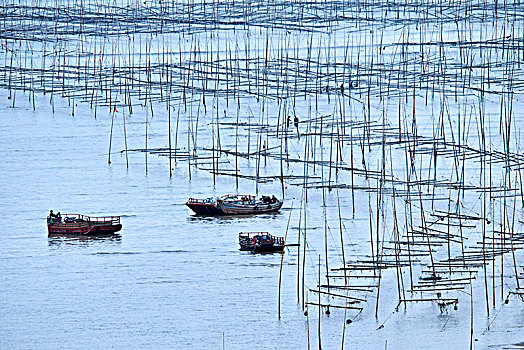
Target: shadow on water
[(229, 218), (260, 253), (60, 241)]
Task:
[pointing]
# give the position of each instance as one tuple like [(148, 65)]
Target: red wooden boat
[(78, 224)]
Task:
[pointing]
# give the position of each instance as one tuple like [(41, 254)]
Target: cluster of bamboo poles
[(409, 107)]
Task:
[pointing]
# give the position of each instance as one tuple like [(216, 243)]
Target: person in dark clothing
[(51, 218)]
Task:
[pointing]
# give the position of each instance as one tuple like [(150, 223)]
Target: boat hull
[(82, 225), (222, 208), (105, 229), (268, 248), (89, 231), (205, 209), (68, 229), (230, 209)]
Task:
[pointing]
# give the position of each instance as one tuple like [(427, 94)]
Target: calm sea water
[(170, 279)]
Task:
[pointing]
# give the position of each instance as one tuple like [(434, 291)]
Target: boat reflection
[(57, 241), (227, 218)]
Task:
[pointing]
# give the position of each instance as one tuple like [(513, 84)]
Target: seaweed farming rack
[(408, 110)]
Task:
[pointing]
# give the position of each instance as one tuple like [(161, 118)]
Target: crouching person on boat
[(52, 218)]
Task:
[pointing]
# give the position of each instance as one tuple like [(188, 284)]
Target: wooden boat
[(260, 242), (78, 224), (234, 204)]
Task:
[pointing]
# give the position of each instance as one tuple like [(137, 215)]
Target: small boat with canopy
[(260, 242)]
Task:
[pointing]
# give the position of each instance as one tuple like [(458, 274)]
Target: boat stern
[(204, 206)]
